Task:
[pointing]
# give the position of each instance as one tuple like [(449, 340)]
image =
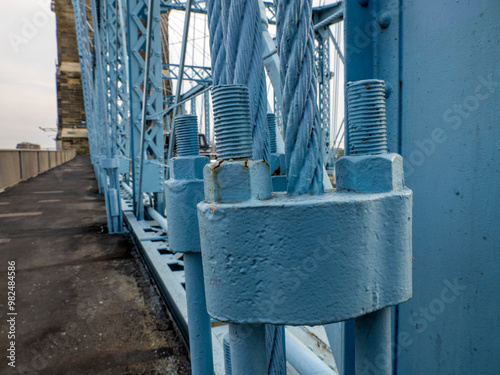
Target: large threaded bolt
[(186, 135), (233, 131), (271, 122), (367, 119)]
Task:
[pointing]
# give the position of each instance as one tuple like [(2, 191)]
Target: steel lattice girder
[(153, 172)]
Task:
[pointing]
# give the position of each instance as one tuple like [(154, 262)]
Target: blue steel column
[(99, 99), (123, 125), (111, 58), (372, 50), (108, 166), (153, 168), (104, 21), (451, 145), (113, 195)]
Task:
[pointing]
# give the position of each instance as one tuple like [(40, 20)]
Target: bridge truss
[(142, 63)]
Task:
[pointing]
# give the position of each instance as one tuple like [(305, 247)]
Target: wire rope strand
[(303, 154), (217, 47)]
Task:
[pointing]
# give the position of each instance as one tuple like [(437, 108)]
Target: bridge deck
[(84, 301)]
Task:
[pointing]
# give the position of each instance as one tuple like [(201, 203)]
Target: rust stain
[(217, 165), (319, 342), (213, 208)]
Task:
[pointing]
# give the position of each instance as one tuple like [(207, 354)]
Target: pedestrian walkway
[(84, 301)]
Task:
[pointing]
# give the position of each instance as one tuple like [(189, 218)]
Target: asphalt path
[(82, 302)]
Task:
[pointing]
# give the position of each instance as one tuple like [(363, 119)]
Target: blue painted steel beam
[(123, 125), (451, 144), (200, 7), (152, 159), (372, 50), (191, 72)]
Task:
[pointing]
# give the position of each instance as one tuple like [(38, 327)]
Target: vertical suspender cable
[(304, 158), (217, 47)]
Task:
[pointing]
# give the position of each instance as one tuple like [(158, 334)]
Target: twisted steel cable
[(303, 154), (242, 29), (276, 361), (217, 47)]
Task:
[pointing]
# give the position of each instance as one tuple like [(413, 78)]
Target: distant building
[(28, 146), (71, 120)]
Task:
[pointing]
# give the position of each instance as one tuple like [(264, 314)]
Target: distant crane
[(48, 130)]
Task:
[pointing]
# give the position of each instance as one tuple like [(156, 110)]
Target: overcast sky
[(28, 52)]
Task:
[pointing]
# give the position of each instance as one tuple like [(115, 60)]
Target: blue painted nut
[(110, 163), (188, 167), (183, 192), (306, 259), (370, 173), (237, 181)]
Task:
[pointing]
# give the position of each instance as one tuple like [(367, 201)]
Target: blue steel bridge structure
[(393, 269)]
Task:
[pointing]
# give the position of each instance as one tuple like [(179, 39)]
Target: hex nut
[(237, 181), (370, 173), (188, 167)]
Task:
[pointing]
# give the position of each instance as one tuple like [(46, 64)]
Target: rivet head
[(385, 19)]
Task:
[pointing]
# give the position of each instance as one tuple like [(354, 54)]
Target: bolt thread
[(186, 135), (271, 122), (367, 118), (227, 354), (233, 132)]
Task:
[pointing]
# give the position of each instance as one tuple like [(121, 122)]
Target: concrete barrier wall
[(29, 164), (20, 165), (10, 168), (43, 161), (52, 159)]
